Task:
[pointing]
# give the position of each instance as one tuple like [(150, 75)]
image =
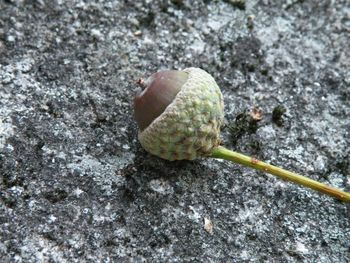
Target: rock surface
[(75, 184)]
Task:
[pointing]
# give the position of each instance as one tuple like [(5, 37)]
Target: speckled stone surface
[(75, 183)]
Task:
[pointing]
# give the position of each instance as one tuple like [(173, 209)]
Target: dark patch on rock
[(277, 114), (56, 195), (247, 54), (237, 3), (75, 184)]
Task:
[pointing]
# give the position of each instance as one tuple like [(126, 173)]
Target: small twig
[(223, 153)]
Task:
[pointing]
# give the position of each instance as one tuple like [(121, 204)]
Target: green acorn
[(180, 113)]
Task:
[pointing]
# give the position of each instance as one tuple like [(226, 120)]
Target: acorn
[(179, 114)]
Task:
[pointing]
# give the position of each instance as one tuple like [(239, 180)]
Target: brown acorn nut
[(179, 114), (160, 89)]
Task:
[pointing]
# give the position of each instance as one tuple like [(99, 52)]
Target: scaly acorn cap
[(189, 127)]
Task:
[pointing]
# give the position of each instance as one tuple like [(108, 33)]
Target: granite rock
[(75, 184)]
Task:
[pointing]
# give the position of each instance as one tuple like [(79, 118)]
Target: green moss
[(244, 124), (277, 115)]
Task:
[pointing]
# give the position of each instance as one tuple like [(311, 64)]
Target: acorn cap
[(189, 127)]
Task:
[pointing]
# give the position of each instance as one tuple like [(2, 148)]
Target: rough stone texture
[(76, 186)]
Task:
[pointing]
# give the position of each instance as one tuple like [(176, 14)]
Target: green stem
[(223, 153)]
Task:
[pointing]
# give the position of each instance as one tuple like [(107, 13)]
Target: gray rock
[(76, 186)]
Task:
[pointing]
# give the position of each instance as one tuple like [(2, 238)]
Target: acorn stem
[(223, 153)]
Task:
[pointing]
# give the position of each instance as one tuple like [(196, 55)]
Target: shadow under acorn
[(181, 177)]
